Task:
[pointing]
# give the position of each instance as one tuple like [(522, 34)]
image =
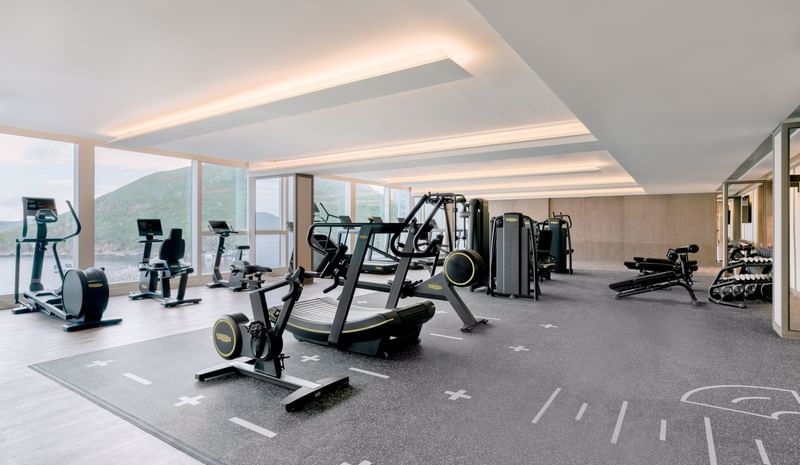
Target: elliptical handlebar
[(77, 231)]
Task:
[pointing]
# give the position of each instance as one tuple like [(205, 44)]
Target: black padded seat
[(369, 331), (251, 269)]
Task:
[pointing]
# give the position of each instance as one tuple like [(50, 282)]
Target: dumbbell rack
[(748, 278)]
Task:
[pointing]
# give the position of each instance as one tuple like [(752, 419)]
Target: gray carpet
[(577, 377)]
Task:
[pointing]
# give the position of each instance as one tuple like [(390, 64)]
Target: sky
[(44, 168)]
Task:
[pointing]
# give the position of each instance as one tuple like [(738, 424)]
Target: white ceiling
[(677, 97), (680, 92)]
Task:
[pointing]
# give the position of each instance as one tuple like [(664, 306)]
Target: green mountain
[(165, 195)]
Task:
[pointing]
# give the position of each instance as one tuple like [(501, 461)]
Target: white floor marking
[(548, 326), (739, 399), (620, 419), (309, 358), (363, 462), (252, 427), (546, 406), (712, 451), (789, 397), (447, 337), (361, 302), (519, 348), (762, 452), (371, 373), (460, 394), (193, 401), (487, 318), (99, 363), (139, 380), (441, 312), (662, 434), (581, 411)]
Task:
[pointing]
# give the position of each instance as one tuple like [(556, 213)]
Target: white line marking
[(546, 406), (581, 411), (774, 415), (487, 317), (371, 373), (548, 326), (662, 435), (139, 380), (253, 428), (447, 337), (739, 399), (620, 419), (762, 452), (712, 452), (363, 462)]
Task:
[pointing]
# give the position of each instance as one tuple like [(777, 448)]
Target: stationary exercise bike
[(234, 336), (243, 274), (168, 265), (83, 295)]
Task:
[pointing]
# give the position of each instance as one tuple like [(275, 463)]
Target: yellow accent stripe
[(350, 331), (446, 275)]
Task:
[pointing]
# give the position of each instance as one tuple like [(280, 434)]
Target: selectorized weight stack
[(512, 263)]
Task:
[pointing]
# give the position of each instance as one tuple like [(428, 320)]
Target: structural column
[(84, 204)]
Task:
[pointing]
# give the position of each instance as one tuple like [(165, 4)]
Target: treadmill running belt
[(367, 330)]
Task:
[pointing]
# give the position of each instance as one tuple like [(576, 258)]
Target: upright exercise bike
[(83, 295), (243, 274)]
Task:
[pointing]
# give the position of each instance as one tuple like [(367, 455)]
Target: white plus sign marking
[(363, 462), (548, 326), (460, 394), (99, 363), (189, 401), (309, 358), (519, 348)]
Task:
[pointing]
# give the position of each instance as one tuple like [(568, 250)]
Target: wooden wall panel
[(610, 230)]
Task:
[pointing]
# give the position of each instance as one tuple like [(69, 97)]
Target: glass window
[(370, 201), (269, 202), (33, 168), (131, 185), (400, 207), (224, 199), (272, 233), (333, 196)]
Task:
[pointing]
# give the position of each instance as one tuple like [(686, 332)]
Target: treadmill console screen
[(149, 227), (34, 204), (218, 227)]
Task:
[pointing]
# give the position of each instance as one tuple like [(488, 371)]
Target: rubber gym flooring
[(577, 377)]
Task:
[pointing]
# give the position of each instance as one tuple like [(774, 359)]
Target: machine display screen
[(149, 227), (34, 204), (219, 226)]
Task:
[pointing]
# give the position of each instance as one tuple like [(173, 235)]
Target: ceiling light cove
[(578, 168), (539, 132), (508, 187), (363, 79), (557, 194)]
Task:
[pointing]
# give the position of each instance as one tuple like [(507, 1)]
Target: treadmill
[(370, 265), (369, 331)]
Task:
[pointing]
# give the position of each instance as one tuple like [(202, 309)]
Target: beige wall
[(610, 230)]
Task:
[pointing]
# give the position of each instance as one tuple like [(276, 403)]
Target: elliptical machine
[(83, 295), (243, 274)]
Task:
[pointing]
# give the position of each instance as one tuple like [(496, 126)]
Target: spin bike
[(234, 337)]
